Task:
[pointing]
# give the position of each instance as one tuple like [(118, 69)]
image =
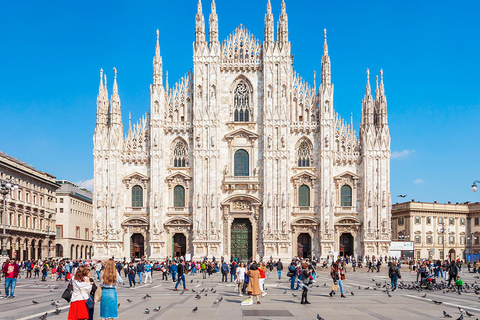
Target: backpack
[(247, 278)]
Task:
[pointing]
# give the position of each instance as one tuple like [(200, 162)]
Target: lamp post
[(474, 185), (442, 230), (6, 187)]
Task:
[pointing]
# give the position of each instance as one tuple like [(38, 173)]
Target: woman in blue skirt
[(108, 285)]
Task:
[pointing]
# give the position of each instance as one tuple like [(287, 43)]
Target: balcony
[(241, 182)]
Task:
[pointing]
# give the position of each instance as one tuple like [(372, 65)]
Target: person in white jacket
[(81, 291)]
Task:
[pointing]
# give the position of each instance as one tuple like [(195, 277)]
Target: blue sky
[(429, 50)]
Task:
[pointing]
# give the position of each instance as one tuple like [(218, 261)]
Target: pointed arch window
[(241, 102), (137, 197), (241, 163), (180, 154), (179, 196), (304, 154), (304, 196), (346, 196)]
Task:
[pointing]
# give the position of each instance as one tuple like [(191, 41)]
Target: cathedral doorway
[(137, 246), (241, 239), (179, 244), (346, 244), (304, 248)]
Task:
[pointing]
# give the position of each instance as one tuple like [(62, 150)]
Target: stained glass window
[(304, 196), (137, 197), (346, 193), (241, 102), (304, 154), (241, 163), (179, 197), (180, 154)]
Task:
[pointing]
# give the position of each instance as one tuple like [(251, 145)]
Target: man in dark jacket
[(181, 275), (224, 272), (452, 272), (279, 268), (140, 271)]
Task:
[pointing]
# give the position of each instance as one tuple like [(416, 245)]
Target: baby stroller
[(428, 282)]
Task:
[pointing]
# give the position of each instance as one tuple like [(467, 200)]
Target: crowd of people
[(93, 282)]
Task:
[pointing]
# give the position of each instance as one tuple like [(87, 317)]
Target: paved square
[(364, 304)]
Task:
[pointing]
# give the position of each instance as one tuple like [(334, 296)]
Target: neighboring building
[(30, 210), (241, 157), (423, 224), (74, 221)]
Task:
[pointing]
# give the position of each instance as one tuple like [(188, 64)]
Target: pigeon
[(191, 281), (424, 296), (373, 280), (147, 295), (157, 309), (57, 303), (52, 302), (461, 317), (56, 287), (206, 294), (461, 310), (325, 284), (215, 291), (468, 313), (193, 291), (51, 290), (389, 295), (43, 317), (220, 300), (437, 302), (195, 309), (319, 318), (402, 195), (352, 293), (34, 302), (446, 315), (198, 296), (293, 294), (284, 291), (146, 311), (216, 301), (57, 311), (211, 289), (128, 300)]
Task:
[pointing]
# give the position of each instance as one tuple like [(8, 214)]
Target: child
[(459, 284)]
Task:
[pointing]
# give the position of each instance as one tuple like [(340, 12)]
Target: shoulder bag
[(67, 294), (98, 294)]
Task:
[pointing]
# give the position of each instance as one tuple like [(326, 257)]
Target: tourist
[(10, 273), (98, 268), (181, 275), (338, 274), (140, 271), (261, 281), (131, 275), (305, 282), (233, 271), (241, 279), (148, 271), (394, 275), (224, 271), (459, 284), (108, 283), (279, 268), (81, 292), (253, 285), (292, 273)]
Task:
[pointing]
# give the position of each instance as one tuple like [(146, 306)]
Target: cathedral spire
[(129, 123), (100, 89), (116, 113), (367, 114), (282, 29), (326, 69), (269, 32), (213, 25), (102, 103), (199, 25), (157, 66)]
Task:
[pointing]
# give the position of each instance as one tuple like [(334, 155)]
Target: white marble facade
[(243, 136)]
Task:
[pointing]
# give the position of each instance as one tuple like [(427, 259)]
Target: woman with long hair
[(261, 280), (253, 284), (305, 282), (81, 292), (241, 279), (109, 278)]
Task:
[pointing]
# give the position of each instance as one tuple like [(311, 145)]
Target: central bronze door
[(241, 239)]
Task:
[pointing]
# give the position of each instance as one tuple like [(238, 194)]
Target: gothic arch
[(304, 152), (179, 153), (242, 107), (136, 221)]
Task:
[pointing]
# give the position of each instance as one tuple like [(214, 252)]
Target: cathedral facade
[(241, 157)]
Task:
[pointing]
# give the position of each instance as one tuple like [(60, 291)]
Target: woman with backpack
[(394, 275)]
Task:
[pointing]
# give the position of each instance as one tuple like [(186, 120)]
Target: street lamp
[(474, 185), (443, 231), (6, 187)]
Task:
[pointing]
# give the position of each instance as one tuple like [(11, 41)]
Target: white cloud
[(87, 184), (401, 154), (419, 181)]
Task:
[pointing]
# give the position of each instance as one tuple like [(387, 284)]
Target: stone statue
[(225, 171), (283, 142), (284, 226), (269, 141)]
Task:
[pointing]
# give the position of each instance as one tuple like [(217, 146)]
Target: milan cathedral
[(241, 157)]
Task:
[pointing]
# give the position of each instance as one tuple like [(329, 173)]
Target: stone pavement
[(364, 304)]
